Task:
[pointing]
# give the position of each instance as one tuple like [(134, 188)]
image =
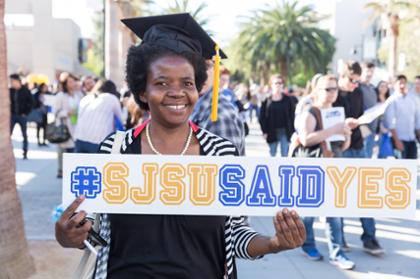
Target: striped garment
[(238, 234)]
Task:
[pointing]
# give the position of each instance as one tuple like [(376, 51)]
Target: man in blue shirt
[(402, 118)]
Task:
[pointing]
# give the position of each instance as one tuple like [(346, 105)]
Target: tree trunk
[(284, 71), (15, 261), (393, 54)]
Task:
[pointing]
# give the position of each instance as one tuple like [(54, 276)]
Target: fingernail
[(285, 211)]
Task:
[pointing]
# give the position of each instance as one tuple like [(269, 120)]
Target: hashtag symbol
[(86, 181)]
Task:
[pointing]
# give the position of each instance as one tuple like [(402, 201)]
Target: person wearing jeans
[(22, 121), (282, 141), (369, 143), (20, 106), (334, 237), (312, 137), (370, 243), (351, 98), (277, 118), (402, 118)]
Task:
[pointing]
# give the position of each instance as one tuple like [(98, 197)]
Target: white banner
[(200, 185)]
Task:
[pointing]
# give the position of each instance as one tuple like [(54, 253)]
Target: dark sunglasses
[(331, 89), (353, 81)]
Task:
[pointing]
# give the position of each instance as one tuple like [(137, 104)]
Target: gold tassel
[(215, 98)]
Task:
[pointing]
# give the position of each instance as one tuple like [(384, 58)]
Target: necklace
[(149, 141)]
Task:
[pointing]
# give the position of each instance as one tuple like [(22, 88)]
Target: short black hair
[(400, 77), (352, 67), (108, 87), (139, 59), (417, 77), (15, 77), (368, 65)]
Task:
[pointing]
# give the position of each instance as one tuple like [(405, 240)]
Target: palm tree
[(15, 261), (185, 7), (392, 10), (280, 37)]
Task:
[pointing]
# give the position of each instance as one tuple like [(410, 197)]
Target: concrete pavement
[(40, 191), (400, 239)]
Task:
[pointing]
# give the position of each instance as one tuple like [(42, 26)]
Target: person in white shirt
[(99, 115), (402, 118), (66, 107)]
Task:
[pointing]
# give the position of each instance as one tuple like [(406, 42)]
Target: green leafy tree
[(281, 39), (95, 55), (126, 8)]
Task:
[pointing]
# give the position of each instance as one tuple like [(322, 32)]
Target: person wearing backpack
[(312, 138)]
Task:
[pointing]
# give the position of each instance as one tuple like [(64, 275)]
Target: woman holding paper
[(165, 73), (313, 139)]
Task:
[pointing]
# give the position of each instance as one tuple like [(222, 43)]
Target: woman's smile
[(171, 92), (177, 108)]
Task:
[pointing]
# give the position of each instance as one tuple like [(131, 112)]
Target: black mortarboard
[(177, 32)]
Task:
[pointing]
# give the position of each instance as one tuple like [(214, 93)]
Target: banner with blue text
[(255, 186)]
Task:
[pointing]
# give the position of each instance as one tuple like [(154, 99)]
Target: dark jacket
[(353, 107), (21, 101), (267, 122)]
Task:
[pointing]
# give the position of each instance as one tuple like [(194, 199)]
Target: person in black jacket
[(20, 106), (350, 97), (277, 117)]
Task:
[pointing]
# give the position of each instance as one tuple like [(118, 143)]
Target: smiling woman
[(165, 73), (168, 83)]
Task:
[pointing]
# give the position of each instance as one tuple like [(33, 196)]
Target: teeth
[(177, 107)]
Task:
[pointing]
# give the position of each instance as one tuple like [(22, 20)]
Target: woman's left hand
[(290, 231)]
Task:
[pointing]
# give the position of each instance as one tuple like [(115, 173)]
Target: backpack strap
[(326, 151)]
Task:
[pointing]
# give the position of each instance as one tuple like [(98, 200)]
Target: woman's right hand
[(68, 231)]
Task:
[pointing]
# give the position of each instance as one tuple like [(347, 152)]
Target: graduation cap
[(179, 33)]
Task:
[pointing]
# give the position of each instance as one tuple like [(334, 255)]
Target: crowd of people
[(90, 108), (292, 125)]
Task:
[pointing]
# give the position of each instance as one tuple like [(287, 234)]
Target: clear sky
[(225, 15)]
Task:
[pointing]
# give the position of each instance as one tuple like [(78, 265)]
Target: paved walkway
[(40, 191)]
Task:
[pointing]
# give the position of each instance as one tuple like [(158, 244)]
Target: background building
[(38, 43), (358, 36)]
